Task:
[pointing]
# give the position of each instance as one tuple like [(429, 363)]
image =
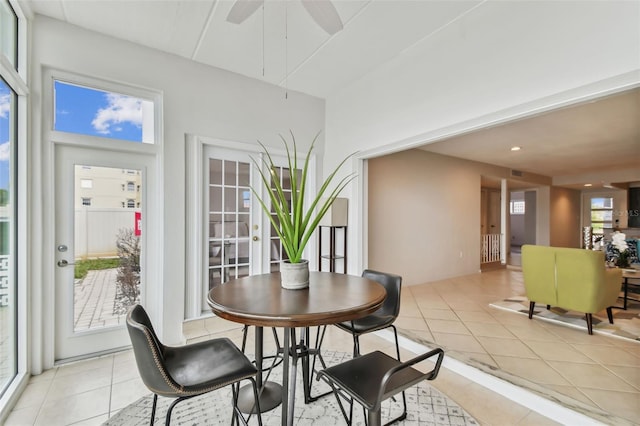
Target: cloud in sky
[(5, 104), (5, 151), (120, 109)]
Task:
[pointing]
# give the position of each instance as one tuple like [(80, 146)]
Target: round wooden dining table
[(259, 300)]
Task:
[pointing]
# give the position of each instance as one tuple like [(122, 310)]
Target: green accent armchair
[(570, 278)]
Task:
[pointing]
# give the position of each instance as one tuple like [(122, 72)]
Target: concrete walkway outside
[(95, 300)]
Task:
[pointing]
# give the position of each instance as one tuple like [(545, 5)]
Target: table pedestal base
[(270, 397)]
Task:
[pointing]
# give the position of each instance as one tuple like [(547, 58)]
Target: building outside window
[(601, 214), (105, 185)]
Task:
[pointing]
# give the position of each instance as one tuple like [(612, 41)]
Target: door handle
[(255, 238), (62, 263)]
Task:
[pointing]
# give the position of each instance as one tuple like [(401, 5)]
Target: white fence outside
[(96, 230), (491, 248)]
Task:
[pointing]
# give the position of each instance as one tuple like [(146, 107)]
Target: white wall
[(502, 60), (565, 218), (197, 99), (424, 216)]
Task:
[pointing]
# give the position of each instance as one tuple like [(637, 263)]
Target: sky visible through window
[(95, 112), (5, 146)]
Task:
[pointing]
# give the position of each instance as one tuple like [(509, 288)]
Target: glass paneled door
[(240, 239), (100, 253)]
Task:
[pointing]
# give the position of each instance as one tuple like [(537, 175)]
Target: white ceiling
[(604, 134)]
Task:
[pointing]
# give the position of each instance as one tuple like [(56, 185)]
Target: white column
[(504, 222)]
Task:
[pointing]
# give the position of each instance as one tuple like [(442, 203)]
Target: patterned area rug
[(626, 324), (426, 406)]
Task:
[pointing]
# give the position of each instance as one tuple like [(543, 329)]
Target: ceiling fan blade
[(325, 14), (242, 9)]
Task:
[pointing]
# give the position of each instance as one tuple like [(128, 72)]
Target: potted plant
[(293, 221), (621, 249)]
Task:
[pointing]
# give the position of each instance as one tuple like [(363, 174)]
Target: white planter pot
[(294, 276)]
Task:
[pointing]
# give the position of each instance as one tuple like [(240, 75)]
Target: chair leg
[(395, 334), (375, 418), (356, 346), (404, 397), (167, 420), (276, 356), (237, 414), (531, 306), (153, 408), (234, 403), (610, 315), (348, 418), (245, 330), (589, 323), (316, 355)]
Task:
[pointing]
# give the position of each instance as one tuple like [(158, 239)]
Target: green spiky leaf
[(294, 223)]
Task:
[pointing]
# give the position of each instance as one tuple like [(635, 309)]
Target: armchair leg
[(610, 315), (531, 306), (589, 323)]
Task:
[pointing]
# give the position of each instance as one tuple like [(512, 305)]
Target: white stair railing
[(491, 248)]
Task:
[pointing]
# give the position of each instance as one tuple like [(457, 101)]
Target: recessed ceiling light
[(515, 148), (587, 184)]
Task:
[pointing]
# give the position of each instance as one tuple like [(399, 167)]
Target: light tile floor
[(597, 371)]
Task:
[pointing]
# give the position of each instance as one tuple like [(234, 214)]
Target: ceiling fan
[(322, 11)]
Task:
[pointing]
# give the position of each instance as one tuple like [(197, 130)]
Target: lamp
[(337, 214)]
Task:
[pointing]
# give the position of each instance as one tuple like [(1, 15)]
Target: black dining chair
[(384, 317), (183, 372), (375, 377)]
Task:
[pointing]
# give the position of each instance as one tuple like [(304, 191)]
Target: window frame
[(514, 207), (15, 77), (601, 229), (53, 74), (100, 86), (16, 38)]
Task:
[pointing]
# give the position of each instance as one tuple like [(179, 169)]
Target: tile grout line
[(113, 370), (517, 394)]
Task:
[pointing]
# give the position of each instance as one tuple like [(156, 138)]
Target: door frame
[(65, 155), (195, 220), (42, 310)]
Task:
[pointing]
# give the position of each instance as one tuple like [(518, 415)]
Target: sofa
[(570, 278)]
